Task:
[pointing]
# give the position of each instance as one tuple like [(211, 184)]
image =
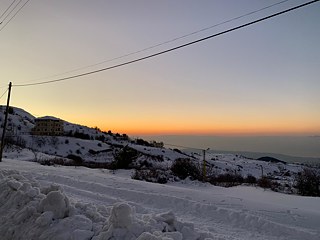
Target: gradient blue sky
[(261, 80)]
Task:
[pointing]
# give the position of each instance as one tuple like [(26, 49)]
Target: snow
[(60, 202), (46, 202), (95, 150), (49, 118), (245, 166), (98, 148)]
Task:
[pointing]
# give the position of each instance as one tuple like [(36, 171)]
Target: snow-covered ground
[(101, 147), (47, 202), (59, 202)]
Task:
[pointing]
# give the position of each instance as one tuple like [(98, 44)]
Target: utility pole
[(261, 170), (5, 122), (204, 171)]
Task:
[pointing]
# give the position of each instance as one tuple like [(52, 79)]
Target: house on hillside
[(49, 126)]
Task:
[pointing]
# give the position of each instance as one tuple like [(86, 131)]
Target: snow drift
[(68, 203), (32, 212)]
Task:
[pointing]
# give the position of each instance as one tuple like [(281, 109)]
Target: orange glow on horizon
[(195, 125), (230, 128), (225, 131)]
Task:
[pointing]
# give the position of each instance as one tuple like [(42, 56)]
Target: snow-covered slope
[(19, 121), (59, 202), (241, 165), (45, 202), (91, 144)]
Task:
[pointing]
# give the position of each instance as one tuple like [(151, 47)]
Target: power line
[(4, 93), (166, 42), (179, 146), (168, 50), (3, 86), (11, 11), (174, 145), (6, 10), (14, 14)]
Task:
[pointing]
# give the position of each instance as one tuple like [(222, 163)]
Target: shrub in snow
[(276, 186), (250, 179), (81, 135), (185, 167), (18, 141), (77, 159), (54, 141), (78, 151), (92, 152), (264, 182), (177, 150), (308, 182), (123, 158), (142, 142), (152, 175), (52, 161), (37, 141), (227, 180), (9, 140), (145, 164), (101, 138)]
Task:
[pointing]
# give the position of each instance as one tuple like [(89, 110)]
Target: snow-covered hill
[(72, 202), (91, 144), (94, 146), (19, 121)]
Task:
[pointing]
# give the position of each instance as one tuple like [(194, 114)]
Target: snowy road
[(241, 213)]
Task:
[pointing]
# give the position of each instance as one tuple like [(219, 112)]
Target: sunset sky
[(260, 80)]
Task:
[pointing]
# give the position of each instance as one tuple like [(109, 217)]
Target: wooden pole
[(261, 170), (204, 166), (5, 122)]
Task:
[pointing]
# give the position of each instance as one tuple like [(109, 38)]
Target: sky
[(260, 80)]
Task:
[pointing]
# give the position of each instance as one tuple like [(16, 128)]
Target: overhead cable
[(163, 43), (6, 10), (14, 15), (4, 93), (4, 86), (168, 50), (11, 11), (179, 146)]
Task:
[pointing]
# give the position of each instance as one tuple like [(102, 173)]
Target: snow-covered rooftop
[(48, 118)]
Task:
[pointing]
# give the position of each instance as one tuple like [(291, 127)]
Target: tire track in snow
[(222, 220)]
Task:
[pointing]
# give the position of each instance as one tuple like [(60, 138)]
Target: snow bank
[(44, 202), (29, 211), (122, 224)]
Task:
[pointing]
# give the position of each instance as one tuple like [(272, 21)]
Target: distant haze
[(300, 146)]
